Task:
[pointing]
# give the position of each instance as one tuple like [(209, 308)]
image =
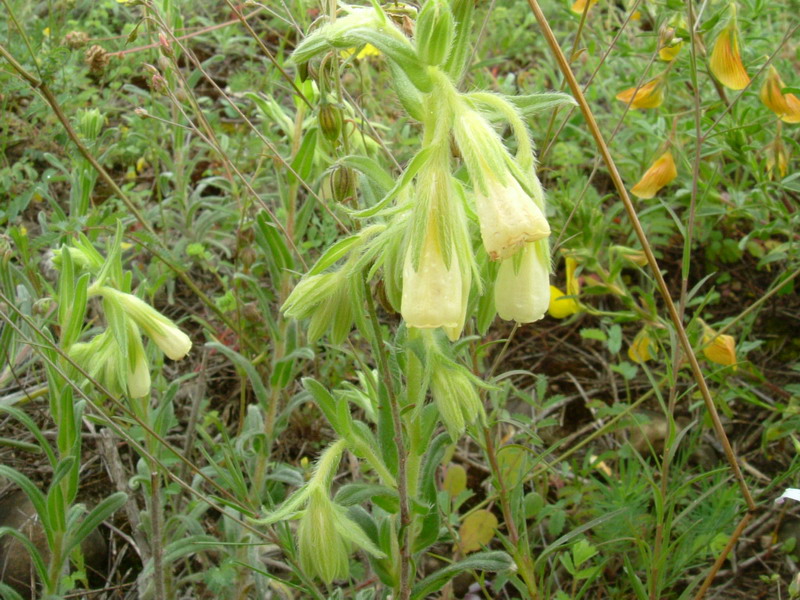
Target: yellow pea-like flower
[(786, 106), (777, 158), (660, 173), (366, 51), (643, 347), (726, 61), (580, 5), (561, 305), (668, 53), (719, 349), (649, 95)]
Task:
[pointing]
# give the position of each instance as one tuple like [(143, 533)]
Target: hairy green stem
[(404, 532)]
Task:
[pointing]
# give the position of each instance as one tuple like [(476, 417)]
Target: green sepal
[(370, 168), (333, 254), (532, 104), (413, 167), (456, 62), (409, 96)]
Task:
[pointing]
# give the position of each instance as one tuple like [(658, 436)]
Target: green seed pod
[(330, 121), (434, 34), (343, 184)]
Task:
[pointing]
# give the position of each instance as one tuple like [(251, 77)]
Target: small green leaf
[(590, 333), (493, 562)]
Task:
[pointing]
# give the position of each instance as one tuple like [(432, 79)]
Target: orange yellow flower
[(573, 284), (660, 173), (719, 349), (365, 52), (726, 62), (580, 5), (649, 95), (668, 53), (777, 157), (786, 106), (668, 44), (643, 347), (561, 306)]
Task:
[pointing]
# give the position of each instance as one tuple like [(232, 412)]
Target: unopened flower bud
[(434, 32), (164, 45), (90, 123), (455, 396), (138, 375), (158, 84)]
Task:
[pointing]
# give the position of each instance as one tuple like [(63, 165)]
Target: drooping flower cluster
[(433, 269), (116, 357), (325, 533)]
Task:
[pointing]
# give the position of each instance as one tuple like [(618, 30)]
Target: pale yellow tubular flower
[(524, 295), (138, 368), (561, 306), (580, 5), (786, 106), (432, 295), (662, 172), (167, 335), (726, 62), (509, 218), (323, 550), (649, 95)]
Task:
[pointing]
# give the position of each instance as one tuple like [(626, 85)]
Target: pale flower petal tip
[(790, 493), (509, 219)]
